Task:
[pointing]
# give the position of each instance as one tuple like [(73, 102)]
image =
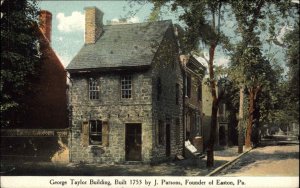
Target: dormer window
[(93, 89)]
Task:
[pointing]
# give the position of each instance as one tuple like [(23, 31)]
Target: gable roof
[(124, 45), (47, 48)]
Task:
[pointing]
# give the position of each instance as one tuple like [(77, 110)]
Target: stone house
[(126, 93)]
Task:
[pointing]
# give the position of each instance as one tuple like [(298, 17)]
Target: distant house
[(223, 131), (126, 93)]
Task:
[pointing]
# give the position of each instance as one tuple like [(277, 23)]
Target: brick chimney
[(93, 24), (45, 18)]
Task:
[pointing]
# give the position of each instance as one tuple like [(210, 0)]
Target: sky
[(68, 22)]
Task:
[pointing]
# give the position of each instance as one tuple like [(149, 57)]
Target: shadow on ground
[(187, 167)]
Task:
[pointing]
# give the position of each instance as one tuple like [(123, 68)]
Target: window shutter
[(105, 133), (85, 134)]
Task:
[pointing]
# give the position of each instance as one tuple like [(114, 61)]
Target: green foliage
[(249, 67), (19, 54), (291, 89)]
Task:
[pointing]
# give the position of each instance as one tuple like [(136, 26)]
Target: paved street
[(281, 160)]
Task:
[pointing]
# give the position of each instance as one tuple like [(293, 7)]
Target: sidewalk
[(187, 167)]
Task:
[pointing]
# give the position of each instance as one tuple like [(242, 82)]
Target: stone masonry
[(116, 111)]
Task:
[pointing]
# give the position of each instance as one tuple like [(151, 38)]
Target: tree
[(259, 84), (203, 20), (292, 42), (19, 56), (256, 71)]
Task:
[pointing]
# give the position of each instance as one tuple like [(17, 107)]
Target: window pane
[(126, 86), (95, 134), (94, 89), (92, 126)]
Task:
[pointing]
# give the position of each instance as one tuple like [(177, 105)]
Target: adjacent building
[(193, 73), (34, 134), (48, 106)]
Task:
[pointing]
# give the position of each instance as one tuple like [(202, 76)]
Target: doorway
[(133, 142), (168, 140), (222, 136)]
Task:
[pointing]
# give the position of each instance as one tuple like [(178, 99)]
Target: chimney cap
[(92, 7)]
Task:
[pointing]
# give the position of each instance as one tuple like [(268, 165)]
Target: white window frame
[(126, 86), (94, 91)]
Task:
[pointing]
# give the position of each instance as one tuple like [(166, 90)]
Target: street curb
[(227, 164)]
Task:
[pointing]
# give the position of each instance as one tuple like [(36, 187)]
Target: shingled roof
[(124, 45)]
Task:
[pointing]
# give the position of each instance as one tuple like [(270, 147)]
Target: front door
[(133, 142), (168, 140)]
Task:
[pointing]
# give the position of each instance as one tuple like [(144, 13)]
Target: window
[(95, 132), (158, 85), (188, 84), (177, 93), (177, 131), (93, 89), (199, 91), (161, 132), (126, 87), (222, 111)]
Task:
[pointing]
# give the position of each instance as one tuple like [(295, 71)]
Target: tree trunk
[(214, 109), (213, 124), (240, 126), (256, 116), (250, 119)]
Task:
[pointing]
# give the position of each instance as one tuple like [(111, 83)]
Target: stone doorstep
[(227, 164), (133, 163)]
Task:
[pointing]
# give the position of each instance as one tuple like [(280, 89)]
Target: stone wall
[(167, 68), (110, 107)]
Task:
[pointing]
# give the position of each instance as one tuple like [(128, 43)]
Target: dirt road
[(267, 161)]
